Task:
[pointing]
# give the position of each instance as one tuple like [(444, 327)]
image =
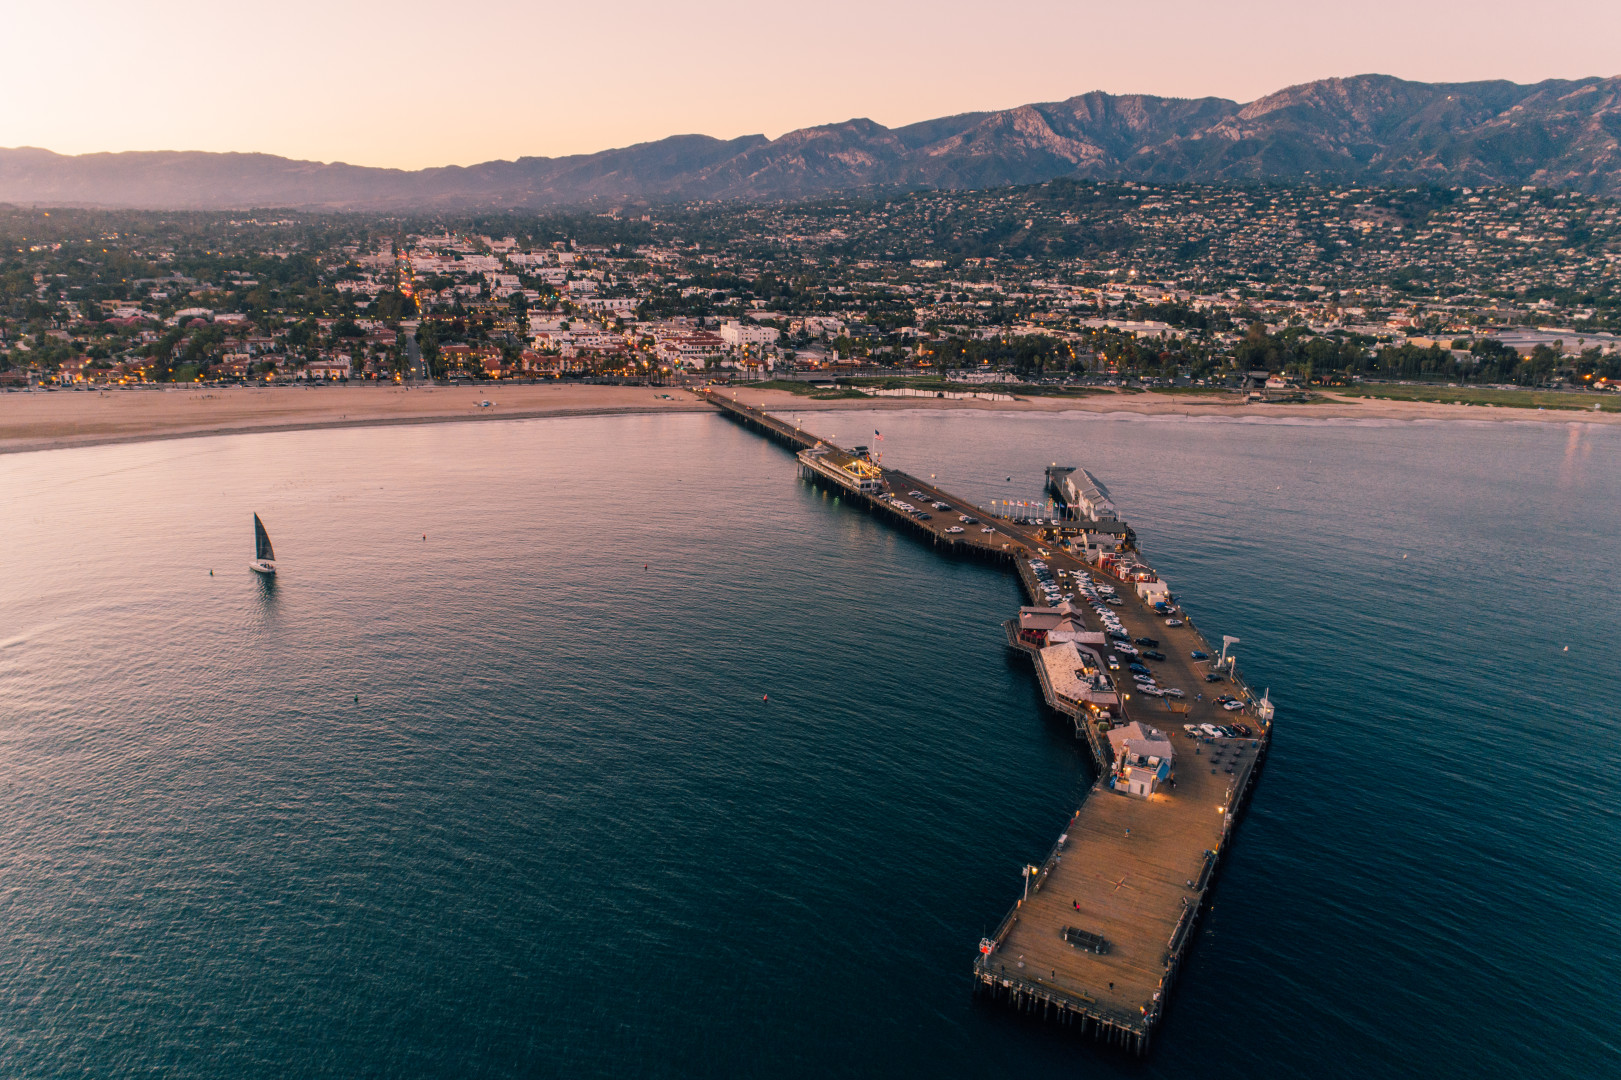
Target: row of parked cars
[(1219, 731), (907, 508), (1046, 584), (1146, 684)]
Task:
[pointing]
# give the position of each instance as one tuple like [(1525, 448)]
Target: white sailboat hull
[(263, 566)]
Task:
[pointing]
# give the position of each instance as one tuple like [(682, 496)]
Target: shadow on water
[(265, 595)]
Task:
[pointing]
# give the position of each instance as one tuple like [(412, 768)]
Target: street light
[(1029, 872)]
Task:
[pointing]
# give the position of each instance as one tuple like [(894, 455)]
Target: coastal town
[(1271, 290), (1071, 463)]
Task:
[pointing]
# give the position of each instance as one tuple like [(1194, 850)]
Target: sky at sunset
[(410, 84)]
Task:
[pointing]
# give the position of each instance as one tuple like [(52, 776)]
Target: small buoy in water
[(211, 573), (1404, 556), (1567, 648), (357, 699), (765, 697)]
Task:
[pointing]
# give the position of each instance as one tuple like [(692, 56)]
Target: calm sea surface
[(508, 800)]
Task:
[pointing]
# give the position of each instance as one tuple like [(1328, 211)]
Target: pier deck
[(1134, 871)]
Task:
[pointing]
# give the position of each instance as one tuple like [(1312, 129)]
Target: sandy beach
[(44, 420)]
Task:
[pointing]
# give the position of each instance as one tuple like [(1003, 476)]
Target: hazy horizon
[(399, 86)]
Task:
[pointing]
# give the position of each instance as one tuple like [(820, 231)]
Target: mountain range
[(1371, 129)]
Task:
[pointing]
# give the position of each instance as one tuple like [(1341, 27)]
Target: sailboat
[(264, 556)]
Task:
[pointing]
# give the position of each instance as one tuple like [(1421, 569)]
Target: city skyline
[(400, 86)]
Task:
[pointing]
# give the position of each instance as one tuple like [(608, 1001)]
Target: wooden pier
[(1102, 925)]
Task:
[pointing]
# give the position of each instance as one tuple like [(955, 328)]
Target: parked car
[(1154, 654), (1197, 655), (1173, 622), (1212, 676), (1150, 642)]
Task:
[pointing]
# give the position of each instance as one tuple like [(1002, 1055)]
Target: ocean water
[(605, 746)]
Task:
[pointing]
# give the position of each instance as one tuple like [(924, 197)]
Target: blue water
[(561, 833)]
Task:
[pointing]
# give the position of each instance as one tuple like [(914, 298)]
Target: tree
[(428, 342), (392, 305)]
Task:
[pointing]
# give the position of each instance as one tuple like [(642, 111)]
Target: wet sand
[(45, 420)]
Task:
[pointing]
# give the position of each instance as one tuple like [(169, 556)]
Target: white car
[(1171, 691), (1173, 622), (955, 529), (1233, 706)]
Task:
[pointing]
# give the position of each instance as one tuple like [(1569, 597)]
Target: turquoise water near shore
[(562, 832)]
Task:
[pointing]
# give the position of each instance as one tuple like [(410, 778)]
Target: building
[(1078, 678), (692, 349), (1154, 592), (1142, 758), (1087, 495), (335, 367), (235, 365), (736, 334), (612, 305)]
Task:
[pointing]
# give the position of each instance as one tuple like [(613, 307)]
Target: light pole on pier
[(1029, 872)]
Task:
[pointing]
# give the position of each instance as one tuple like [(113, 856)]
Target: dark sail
[(261, 541)]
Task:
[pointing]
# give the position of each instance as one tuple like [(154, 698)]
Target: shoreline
[(318, 425), (62, 420)]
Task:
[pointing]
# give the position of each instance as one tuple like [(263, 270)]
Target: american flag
[(877, 437)]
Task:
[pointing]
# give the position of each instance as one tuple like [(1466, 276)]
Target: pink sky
[(411, 83)]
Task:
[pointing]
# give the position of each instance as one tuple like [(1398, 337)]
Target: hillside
[(1370, 128)]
